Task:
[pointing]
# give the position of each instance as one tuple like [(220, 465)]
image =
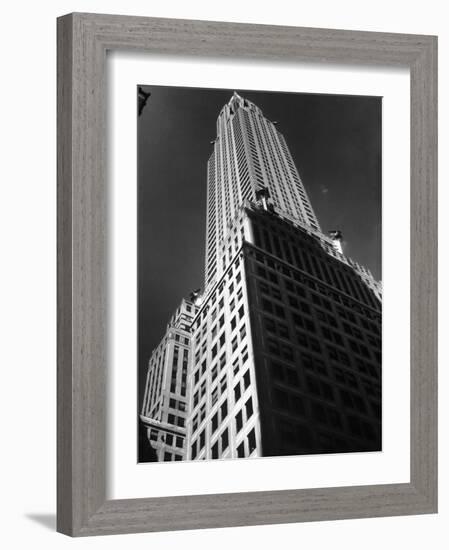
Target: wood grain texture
[(83, 40), (64, 277)]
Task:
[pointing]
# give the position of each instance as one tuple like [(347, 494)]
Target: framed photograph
[(246, 274)]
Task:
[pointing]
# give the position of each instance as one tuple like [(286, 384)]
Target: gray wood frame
[(83, 40)]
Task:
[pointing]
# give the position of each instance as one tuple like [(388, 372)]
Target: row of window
[(269, 269), (295, 437), (306, 254), (284, 399), (168, 457), (176, 420), (274, 325), (303, 307), (288, 374)]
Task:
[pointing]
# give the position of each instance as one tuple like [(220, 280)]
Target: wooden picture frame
[(83, 40)]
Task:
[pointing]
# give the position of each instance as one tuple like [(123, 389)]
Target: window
[(280, 399), (319, 412), (302, 339), (283, 331), (292, 378), (355, 425), (270, 325), (338, 339), (241, 450), (334, 418), (246, 379), (235, 343), (233, 323), (224, 410), (297, 405), (196, 377), (261, 272), (287, 352), (214, 351), (249, 408), (237, 392), (353, 401), (222, 339), (267, 306), (275, 293), (224, 440), (202, 439), (314, 344), (214, 422), (193, 450), (313, 385), (279, 311), (239, 421), (214, 372), (215, 450), (277, 371), (235, 366), (214, 396), (252, 440)]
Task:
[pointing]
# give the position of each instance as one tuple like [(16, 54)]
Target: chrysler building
[(280, 354)]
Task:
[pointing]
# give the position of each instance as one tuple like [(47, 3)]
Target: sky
[(335, 141)]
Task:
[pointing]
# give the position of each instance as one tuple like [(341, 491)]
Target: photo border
[(83, 229)]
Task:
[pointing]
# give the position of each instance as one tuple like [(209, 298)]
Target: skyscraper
[(285, 349), (250, 160), (165, 405)]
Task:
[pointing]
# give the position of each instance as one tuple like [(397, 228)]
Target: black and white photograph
[(259, 273)]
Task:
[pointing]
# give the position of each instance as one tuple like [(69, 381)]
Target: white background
[(27, 302)]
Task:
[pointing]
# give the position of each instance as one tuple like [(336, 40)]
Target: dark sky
[(335, 142)]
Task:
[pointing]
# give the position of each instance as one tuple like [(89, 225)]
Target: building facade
[(284, 345), (165, 405)]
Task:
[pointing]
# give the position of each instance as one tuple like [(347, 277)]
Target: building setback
[(284, 345)]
